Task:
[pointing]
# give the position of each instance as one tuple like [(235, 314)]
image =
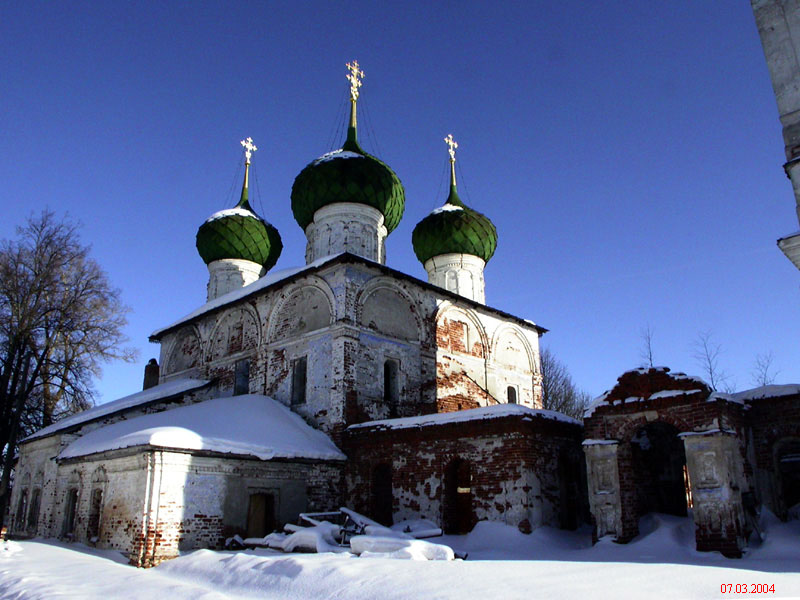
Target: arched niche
[(235, 331), (511, 350), (460, 330), (186, 351), (99, 475), (305, 309), (386, 309)]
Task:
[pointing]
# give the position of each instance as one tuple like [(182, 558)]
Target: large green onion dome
[(454, 229), (348, 175), (239, 233)]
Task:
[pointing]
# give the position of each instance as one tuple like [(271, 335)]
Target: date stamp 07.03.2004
[(747, 588)]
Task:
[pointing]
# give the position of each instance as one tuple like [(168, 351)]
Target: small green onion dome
[(454, 228), (239, 233), (348, 175)]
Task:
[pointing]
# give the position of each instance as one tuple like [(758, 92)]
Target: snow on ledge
[(707, 432), (173, 387), (259, 284), (473, 414), (594, 442), (246, 425)]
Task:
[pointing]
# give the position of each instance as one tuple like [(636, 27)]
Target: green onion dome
[(239, 233), (454, 228), (348, 175)]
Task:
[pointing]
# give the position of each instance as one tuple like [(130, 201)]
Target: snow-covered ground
[(502, 563)]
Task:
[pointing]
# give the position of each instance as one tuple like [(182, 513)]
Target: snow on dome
[(170, 388), (340, 153), (473, 414), (229, 212), (446, 208), (247, 425)]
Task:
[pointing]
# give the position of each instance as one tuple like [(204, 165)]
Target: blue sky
[(629, 154)]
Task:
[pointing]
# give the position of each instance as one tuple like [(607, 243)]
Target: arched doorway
[(381, 496), (569, 479), (457, 514), (659, 467), (788, 460)]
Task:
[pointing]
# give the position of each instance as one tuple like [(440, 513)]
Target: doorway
[(457, 514), (381, 497), (659, 466), (261, 515)]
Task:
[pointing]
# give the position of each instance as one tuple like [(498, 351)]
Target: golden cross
[(249, 148), (452, 145), (354, 77)]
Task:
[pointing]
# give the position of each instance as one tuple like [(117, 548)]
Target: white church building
[(340, 382)]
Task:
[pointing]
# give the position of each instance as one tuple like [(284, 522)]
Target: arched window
[(391, 388), (33, 513), (511, 394), (299, 371), (22, 509)]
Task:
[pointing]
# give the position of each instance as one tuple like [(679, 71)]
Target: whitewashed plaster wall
[(347, 320)]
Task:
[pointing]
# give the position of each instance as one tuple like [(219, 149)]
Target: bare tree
[(559, 392), (763, 373), (707, 353), (60, 319), (646, 352)]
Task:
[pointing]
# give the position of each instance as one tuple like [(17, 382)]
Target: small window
[(391, 389), (511, 393), (299, 368), (241, 382)]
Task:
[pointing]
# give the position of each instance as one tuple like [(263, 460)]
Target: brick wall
[(514, 463)]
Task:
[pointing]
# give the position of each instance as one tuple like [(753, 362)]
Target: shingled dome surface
[(454, 229), (239, 233), (348, 175)]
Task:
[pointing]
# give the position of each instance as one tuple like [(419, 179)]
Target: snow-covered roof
[(603, 400), (473, 414), (259, 284), (247, 425), (170, 388), (767, 391)]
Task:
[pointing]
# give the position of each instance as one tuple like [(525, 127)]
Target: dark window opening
[(299, 369), (241, 382), (382, 498), (33, 514), (93, 526), (261, 515), (69, 513), (391, 388), (511, 392)]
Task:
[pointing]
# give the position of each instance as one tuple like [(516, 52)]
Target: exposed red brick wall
[(498, 451)]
